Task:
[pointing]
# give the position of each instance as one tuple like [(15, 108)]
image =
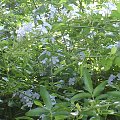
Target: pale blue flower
[(42, 117), (105, 12), (35, 95), (82, 55), (60, 84), (87, 11), (54, 59), (59, 19), (44, 61), (111, 78), (118, 44), (109, 34), (53, 10), (42, 29), (53, 39), (110, 5), (53, 99), (64, 11), (45, 52), (1, 27), (71, 81), (6, 12), (75, 113), (73, 13), (116, 25), (91, 6), (28, 92), (5, 79), (29, 104), (20, 32), (91, 34), (26, 27), (47, 24), (110, 46), (27, 97)]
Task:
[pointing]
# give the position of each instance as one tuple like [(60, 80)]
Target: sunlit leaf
[(63, 1), (38, 103), (117, 61), (113, 50)]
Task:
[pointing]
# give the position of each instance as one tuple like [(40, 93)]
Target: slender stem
[(51, 115), (51, 69)]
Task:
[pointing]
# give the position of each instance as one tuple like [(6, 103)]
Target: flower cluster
[(43, 27), (105, 10), (27, 97), (26, 27), (112, 78), (71, 81), (117, 44)]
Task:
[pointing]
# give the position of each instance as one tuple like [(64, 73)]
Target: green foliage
[(48, 110), (59, 60)]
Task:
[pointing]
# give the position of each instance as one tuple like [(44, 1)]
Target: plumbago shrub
[(59, 60)]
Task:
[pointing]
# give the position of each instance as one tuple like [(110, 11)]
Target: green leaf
[(46, 97), (63, 1), (114, 94), (118, 7), (116, 14), (63, 112), (24, 118), (60, 117), (113, 50), (117, 61), (102, 96), (37, 112), (107, 62), (80, 96), (38, 103), (99, 88), (42, 9), (78, 107), (59, 107), (87, 81)]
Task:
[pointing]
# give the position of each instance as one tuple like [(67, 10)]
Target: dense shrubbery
[(59, 60)]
